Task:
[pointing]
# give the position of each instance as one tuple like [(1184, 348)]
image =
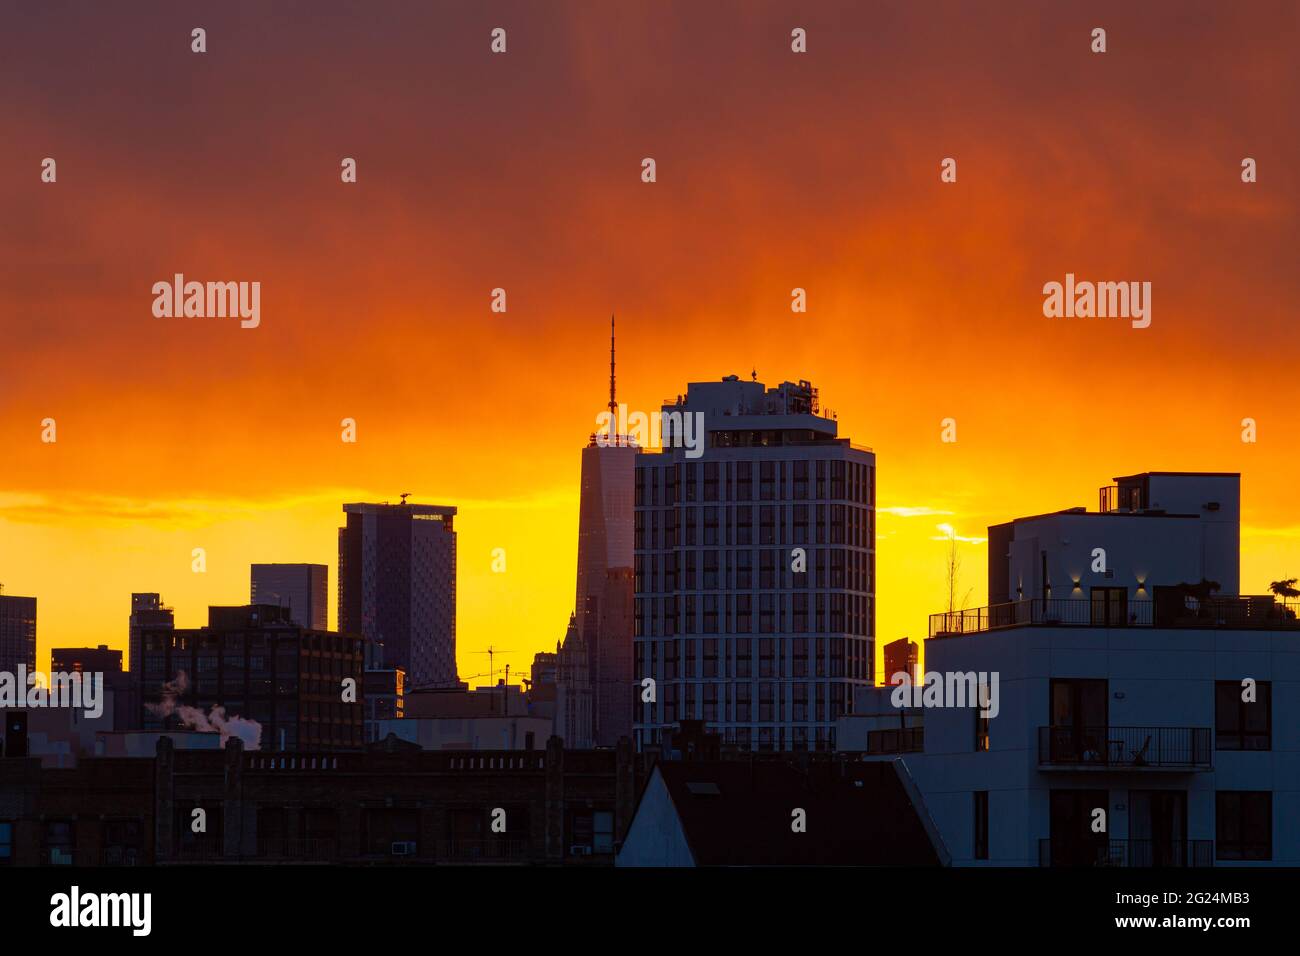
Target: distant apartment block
[(147, 613), (17, 633), (385, 691), (257, 664), (900, 658), (117, 682), (496, 718), (755, 569), (302, 588), (86, 660), (397, 586), (542, 684)]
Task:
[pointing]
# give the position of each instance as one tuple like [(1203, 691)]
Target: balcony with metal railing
[(904, 740), (1126, 853), (1125, 748)]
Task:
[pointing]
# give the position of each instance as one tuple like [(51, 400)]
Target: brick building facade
[(390, 804)]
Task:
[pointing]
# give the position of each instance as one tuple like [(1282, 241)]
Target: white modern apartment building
[(754, 570), (1137, 721), (1157, 528)]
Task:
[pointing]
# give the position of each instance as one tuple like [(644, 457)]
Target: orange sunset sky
[(522, 171)]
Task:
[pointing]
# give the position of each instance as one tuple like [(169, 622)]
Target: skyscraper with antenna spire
[(601, 627)]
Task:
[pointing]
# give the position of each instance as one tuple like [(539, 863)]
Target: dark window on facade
[(1244, 825), (981, 728), (981, 824), (123, 842), (392, 831), (1079, 714), (591, 832), (1243, 724), (57, 843)]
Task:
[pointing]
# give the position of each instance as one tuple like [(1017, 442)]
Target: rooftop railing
[(1219, 611)]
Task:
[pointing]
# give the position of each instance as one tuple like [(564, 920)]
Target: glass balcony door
[(1109, 607)]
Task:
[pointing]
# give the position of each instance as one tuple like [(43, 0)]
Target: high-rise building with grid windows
[(754, 569)]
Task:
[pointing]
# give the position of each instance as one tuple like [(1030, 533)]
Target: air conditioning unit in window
[(579, 849), (404, 848)]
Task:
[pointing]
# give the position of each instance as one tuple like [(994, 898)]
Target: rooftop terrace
[(1168, 610)]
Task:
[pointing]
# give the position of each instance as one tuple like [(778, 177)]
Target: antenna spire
[(613, 404)]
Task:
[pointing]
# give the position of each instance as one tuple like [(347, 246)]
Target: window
[(1109, 607), (1243, 724), (710, 657), (58, 843), (981, 824), (800, 647), (603, 831), (382, 827), (981, 723), (6, 843), (743, 703), (1073, 842), (767, 613), (1244, 825), (743, 657), (1079, 713), (710, 571)]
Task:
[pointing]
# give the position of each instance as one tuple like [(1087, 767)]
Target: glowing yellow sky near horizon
[(84, 567)]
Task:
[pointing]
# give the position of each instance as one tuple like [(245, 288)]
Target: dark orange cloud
[(522, 171)]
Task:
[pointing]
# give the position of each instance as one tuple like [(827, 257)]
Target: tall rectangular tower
[(147, 613), (397, 585), (755, 569), (17, 633), (604, 594), (603, 603), (302, 588)]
